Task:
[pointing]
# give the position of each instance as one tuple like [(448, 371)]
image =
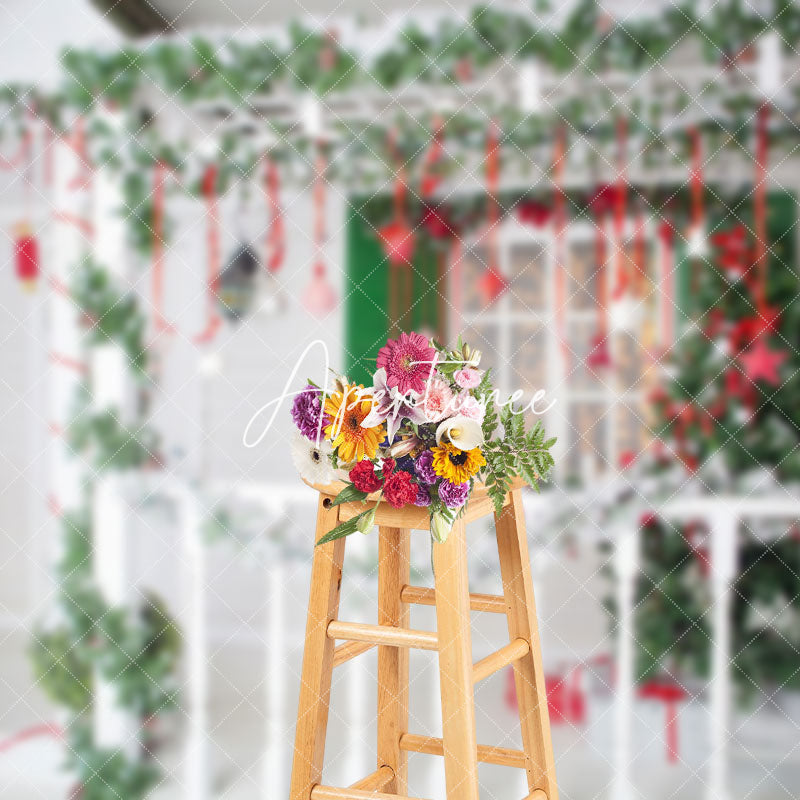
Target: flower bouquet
[(422, 434)]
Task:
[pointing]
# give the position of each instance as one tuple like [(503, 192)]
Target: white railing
[(722, 515)]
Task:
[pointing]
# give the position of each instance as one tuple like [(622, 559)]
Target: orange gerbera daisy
[(347, 409)]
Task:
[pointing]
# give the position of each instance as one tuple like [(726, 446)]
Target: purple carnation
[(454, 495), (423, 466), (307, 410), (423, 496)]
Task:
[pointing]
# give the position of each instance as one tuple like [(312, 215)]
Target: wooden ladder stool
[(452, 641)]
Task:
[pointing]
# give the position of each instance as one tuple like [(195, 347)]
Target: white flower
[(312, 462), (461, 431)]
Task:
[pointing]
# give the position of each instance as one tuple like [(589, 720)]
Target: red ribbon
[(666, 233), (275, 244), (696, 177), (430, 179), (669, 694), (760, 205), (492, 282), (21, 156), (620, 209), (213, 321)]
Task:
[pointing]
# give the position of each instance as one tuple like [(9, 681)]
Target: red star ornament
[(762, 364)]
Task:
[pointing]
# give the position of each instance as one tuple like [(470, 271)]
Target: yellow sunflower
[(457, 466), (346, 410)]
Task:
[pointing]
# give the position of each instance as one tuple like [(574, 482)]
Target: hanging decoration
[(666, 236), (397, 240), (760, 363), (492, 283), (237, 283), (26, 256), (625, 309), (26, 246), (559, 224), (275, 242), (213, 320), (760, 206), (157, 287), (319, 297), (271, 299), (599, 356), (696, 244)]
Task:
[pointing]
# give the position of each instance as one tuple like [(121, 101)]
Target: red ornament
[(491, 285), (26, 256), (397, 239), (762, 364), (735, 254), (599, 356), (438, 223), (532, 212)]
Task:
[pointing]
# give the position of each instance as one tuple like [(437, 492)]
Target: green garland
[(137, 650), (230, 73)]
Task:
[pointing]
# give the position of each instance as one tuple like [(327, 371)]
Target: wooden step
[(419, 595), (344, 652), (504, 756), (376, 781), (537, 794), (331, 793), (496, 661), (383, 634)]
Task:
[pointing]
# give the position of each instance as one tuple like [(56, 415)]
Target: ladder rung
[(477, 602), (344, 652), (414, 743), (331, 793), (383, 634), (376, 781), (537, 794), (504, 656)]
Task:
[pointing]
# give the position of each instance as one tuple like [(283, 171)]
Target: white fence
[(722, 516)]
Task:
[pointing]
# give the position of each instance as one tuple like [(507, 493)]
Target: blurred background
[(601, 197)]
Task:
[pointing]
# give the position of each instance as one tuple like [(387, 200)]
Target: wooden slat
[(537, 794), (383, 634), (315, 680), (515, 569), (499, 659), (490, 603), (331, 793), (376, 781), (344, 652), (394, 553), (503, 756), (455, 665)]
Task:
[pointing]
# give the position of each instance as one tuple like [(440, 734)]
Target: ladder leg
[(455, 666), (393, 574), (315, 684), (512, 545)]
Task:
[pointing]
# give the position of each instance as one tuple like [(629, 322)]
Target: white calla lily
[(462, 432)]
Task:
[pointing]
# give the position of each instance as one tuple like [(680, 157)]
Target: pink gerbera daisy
[(408, 361)]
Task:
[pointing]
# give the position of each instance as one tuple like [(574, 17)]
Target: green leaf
[(348, 495), (344, 529)]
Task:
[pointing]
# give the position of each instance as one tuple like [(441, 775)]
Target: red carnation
[(364, 478), (399, 489), (388, 467)]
